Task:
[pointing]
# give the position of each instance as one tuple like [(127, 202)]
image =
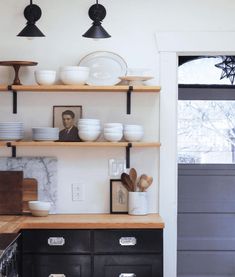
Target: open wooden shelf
[(84, 144), (3, 87), (84, 88)]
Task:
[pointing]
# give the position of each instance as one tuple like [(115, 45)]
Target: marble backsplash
[(44, 169)]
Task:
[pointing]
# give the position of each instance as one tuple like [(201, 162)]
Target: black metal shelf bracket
[(14, 99), (128, 147), (13, 149), (128, 100)]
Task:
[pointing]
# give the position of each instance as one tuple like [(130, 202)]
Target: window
[(206, 120)]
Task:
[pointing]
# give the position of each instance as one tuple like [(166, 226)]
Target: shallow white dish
[(105, 68)]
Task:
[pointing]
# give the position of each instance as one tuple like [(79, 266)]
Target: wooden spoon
[(133, 176), (144, 182), (143, 176), (127, 181)]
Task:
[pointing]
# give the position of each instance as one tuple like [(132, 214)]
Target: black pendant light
[(32, 13), (97, 13)]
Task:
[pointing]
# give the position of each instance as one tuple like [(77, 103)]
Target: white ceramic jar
[(137, 203)]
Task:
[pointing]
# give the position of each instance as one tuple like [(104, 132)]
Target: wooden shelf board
[(84, 144), (84, 88), (3, 87)]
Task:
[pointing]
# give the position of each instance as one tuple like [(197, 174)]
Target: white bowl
[(39, 208), (133, 136), (45, 77), (74, 68), (89, 121), (89, 128), (89, 135), (133, 127), (113, 129), (113, 137), (74, 77), (113, 125)]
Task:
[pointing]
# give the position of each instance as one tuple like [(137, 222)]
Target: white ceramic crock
[(138, 203)]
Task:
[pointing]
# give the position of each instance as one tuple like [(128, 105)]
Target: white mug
[(138, 203)]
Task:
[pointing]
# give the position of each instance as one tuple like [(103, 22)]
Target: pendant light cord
[(31, 2), (97, 3)]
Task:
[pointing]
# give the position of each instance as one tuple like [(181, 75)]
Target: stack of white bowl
[(113, 131), (133, 132), (11, 130), (45, 133), (74, 75), (89, 129)]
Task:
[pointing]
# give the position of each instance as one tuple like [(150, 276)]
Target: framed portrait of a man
[(66, 119)]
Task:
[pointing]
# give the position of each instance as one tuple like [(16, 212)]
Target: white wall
[(132, 24)]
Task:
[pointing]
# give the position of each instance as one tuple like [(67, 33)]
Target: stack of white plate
[(133, 132), (89, 129), (45, 133), (113, 131), (11, 130)]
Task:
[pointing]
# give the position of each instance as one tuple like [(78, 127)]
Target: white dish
[(39, 208), (133, 136), (74, 77), (113, 137), (105, 68), (74, 68), (89, 136), (45, 77)]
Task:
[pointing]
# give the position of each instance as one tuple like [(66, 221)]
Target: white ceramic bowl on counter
[(74, 75), (39, 208), (45, 77)]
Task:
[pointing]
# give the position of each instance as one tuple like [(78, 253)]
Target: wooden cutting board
[(30, 192), (11, 192), (15, 192)]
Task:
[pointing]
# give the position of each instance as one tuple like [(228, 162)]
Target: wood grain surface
[(11, 224)]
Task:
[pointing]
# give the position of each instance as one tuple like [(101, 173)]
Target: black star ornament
[(228, 68)]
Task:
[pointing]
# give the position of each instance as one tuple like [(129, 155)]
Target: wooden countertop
[(13, 224)]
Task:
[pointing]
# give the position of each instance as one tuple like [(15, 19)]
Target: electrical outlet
[(78, 192), (116, 167)]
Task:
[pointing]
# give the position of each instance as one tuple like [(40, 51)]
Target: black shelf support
[(128, 100), (128, 147), (14, 99), (13, 150)]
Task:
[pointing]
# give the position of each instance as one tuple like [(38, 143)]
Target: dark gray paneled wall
[(206, 220)]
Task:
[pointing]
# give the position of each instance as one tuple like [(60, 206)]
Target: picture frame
[(118, 197), (66, 119)]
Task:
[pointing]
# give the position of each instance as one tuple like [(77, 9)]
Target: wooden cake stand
[(16, 65)]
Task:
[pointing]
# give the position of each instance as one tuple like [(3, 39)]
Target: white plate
[(105, 68)]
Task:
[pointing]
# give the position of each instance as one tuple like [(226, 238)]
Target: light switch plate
[(116, 167), (78, 192)]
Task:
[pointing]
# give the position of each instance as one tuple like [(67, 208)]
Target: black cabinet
[(128, 266), (56, 265), (92, 253)]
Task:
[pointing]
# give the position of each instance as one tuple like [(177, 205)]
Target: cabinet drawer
[(56, 241), (56, 265), (128, 266), (128, 241)]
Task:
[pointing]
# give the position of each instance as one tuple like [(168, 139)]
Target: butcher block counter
[(13, 224)]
